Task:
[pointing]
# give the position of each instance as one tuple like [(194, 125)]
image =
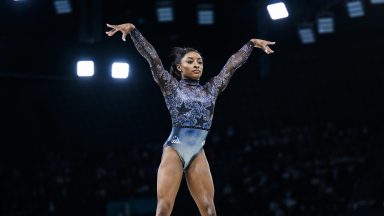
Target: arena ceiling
[(46, 42)]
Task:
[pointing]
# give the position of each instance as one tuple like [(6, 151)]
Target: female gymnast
[(191, 106)]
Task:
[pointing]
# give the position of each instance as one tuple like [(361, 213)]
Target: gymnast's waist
[(187, 135), (192, 127)]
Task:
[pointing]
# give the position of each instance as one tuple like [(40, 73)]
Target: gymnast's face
[(191, 66)]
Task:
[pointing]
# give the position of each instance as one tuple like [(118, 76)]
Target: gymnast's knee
[(164, 208), (209, 209)]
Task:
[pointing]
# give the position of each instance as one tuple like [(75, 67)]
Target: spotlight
[(164, 11), (120, 70), (325, 25), (306, 33), (62, 6), (205, 14), (277, 11), (355, 8), (377, 1), (85, 68)]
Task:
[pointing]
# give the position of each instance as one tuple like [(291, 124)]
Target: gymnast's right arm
[(162, 77)]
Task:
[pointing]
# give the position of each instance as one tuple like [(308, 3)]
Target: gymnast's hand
[(263, 44), (125, 29)]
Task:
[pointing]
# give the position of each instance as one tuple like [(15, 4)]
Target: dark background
[(48, 115)]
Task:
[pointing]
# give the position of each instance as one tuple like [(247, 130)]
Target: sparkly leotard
[(190, 104)]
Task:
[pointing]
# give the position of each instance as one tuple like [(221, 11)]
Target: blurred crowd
[(270, 172)]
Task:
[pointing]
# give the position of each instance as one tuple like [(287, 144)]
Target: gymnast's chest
[(197, 96)]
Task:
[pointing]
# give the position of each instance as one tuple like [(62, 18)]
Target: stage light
[(120, 70), (325, 25), (355, 8), (306, 34), (205, 14), (277, 11), (85, 68), (164, 11), (62, 6), (377, 1)]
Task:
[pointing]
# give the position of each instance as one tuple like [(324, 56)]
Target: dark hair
[(176, 55)]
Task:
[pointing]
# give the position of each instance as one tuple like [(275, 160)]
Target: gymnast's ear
[(178, 67)]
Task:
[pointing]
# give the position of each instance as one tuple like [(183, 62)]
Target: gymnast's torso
[(190, 104)]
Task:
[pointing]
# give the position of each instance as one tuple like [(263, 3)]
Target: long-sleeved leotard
[(190, 104)]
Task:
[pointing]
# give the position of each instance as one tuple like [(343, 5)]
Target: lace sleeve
[(220, 81), (163, 78)]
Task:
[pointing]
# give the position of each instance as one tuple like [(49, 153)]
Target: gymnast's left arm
[(220, 81)]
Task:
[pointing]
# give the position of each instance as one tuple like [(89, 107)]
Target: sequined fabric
[(189, 103)]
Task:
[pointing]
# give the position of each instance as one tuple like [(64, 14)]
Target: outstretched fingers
[(124, 36), (114, 29), (111, 32), (111, 26), (268, 50)]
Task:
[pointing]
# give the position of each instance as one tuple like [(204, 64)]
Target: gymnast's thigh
[(169, 175)]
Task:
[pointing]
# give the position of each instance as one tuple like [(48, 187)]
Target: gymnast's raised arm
[(162, 77), (220, 81)]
